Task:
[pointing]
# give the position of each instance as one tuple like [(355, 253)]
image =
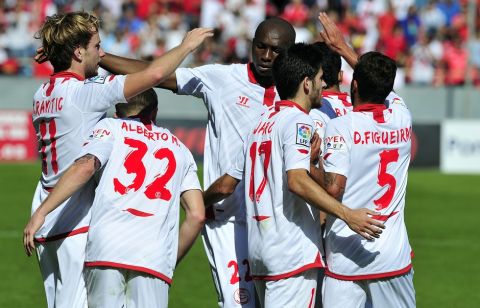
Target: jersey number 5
[(265, 149), (133, 164), (384, 178)]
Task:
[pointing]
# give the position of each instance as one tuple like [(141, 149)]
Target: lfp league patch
[(304, 134), (96, 79)]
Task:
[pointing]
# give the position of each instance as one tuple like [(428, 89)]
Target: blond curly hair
[(62, 34)]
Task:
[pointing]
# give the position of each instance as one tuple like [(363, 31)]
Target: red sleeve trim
[(316, 264), (369, 276), (61, 235), (130, 267)]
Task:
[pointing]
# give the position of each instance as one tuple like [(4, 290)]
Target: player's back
[(371, 147), (283, 230), (65, 109), (136, 209)]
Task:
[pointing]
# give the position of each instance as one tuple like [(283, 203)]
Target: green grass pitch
[(442, 215)]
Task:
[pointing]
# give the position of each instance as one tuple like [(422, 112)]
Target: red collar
[(64, 74), (337, 93), (251, 76), (287, 103), (370, 108)]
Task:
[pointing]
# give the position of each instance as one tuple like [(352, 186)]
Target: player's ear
[(115, 115), (307, 85), (78, 54), (340, 76)]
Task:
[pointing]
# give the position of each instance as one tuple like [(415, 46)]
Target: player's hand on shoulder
[(36, 221), (195, 37), (361, 222)]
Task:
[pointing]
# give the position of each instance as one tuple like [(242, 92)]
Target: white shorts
[(394, 292), (294, 292), (61, 265), (227, 251), (116, 287)]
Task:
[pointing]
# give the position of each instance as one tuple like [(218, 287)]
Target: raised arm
[(74, 178), (164, 66), (123, 66), (334, 39), (300, 183), (192, 203)]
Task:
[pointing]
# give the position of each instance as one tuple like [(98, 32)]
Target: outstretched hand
[(195, 38), (361, 222), (331, 34), (40, 57), (31, 228)]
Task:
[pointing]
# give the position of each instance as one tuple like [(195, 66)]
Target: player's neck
[(264, 81), (77, 68), (334, 88), (302, 101)]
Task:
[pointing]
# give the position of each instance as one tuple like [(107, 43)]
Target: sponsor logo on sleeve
[(99, 134), (96, 79), (304, 134), (336, 143)]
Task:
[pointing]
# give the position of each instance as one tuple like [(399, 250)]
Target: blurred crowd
[(429, 39)]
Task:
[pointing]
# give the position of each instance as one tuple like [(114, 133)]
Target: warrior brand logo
[(242, 101), (304, 134), (241, 296)]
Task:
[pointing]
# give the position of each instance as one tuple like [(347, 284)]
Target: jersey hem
[(61, 235), (130, 267), (316, 264), (369, 276)]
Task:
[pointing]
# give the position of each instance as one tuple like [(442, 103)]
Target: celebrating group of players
[(282, 144)]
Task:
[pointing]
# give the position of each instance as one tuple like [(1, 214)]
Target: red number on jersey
[(52, 131), (133, 164), (157, 189), (235, 276), (384, 178), (265, 149)]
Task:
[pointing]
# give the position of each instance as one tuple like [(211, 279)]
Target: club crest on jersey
[(304, 134), (241, 296), (96, 79), (243, 101)]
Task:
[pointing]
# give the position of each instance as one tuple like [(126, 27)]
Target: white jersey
[(334, 104), (135, 213), (234, 101), (283, 231), (371, 148), (64, 111)]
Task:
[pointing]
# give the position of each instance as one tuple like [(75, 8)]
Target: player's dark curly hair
[(293, 65), (375, 75), (332, 64)]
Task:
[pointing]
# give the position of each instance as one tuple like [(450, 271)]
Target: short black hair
[(375, 75), (278, 23), (332, 64), (141, 104), (293, 65)]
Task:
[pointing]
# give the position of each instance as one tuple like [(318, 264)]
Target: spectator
[(422, 63), (411, 26), (455, 61), (450, 9), (432, 18)]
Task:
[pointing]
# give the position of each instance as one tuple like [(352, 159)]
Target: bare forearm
[(189, 231), (314, 195), (74, 178), (122, 66), (347, 53), (317, 174), (219, 190)]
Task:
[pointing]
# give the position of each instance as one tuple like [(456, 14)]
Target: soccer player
[(235, 96), (366, 161), (133, 241), (283, 230), (64, 111)]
